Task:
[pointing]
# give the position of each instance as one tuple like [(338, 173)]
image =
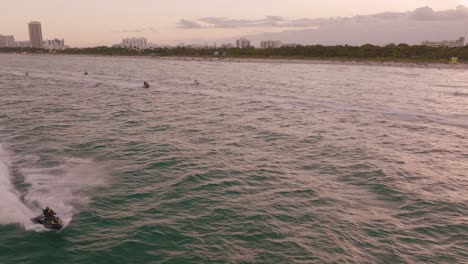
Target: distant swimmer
[(146, 84), (26, 73), (196, 82), (85, 73)]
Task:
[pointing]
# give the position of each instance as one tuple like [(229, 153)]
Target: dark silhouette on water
[(26, 73), (85, 73), (196, 82), (146, 84), (48, 219)]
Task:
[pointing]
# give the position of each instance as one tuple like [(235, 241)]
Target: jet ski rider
[(48, 213)]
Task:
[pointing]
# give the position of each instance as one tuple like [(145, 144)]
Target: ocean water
[(260, 163)]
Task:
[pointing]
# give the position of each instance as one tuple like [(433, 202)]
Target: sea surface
[(260, 163)]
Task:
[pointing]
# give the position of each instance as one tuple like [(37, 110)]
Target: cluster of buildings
[(35, 40), (135, 43), (446, 43), (270, 44), (264, 44), (242, 43)]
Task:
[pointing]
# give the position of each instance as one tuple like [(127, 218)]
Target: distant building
[(7, 41), (242, 43), (134, 43), (2, 41), (291, 45), (271, 44), (10, 41), (55, 44), (22, 44), (190, 46), (227, 46), (196, 46), (35, 34), (446, 43)]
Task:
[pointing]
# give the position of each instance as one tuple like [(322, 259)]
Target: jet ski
[(48, 219)]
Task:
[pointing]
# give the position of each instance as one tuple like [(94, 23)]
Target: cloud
[(267, 22), (411, 27), (137, 30), (185, 23), (428, 14), (389, 15), (419, 14), (128, 31)]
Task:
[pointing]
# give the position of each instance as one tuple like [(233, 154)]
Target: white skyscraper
[(35, 34), (7, 41)]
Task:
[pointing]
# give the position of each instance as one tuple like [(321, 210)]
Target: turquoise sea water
[(260, 163)]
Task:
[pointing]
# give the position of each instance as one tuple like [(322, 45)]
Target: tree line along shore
[(399, 53)]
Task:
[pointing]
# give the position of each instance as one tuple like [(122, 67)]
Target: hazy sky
[(105, 22)]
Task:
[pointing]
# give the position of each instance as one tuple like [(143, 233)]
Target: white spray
[(65, 188), (12, 209)]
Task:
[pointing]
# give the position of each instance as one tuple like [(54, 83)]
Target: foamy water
[(65, 188), (12, 208)]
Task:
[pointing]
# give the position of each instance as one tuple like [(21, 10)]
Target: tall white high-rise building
[(35, 34), (7, 41)]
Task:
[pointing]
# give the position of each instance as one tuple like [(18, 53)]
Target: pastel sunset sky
[(106, 22)]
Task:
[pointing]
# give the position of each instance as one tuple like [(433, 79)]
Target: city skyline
[(36, 41), (292, 24)]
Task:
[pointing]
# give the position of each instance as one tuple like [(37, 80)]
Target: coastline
[(399, 64), (325, 62)]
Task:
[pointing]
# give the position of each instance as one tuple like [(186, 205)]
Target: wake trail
[(12, 209), (66, 188)]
